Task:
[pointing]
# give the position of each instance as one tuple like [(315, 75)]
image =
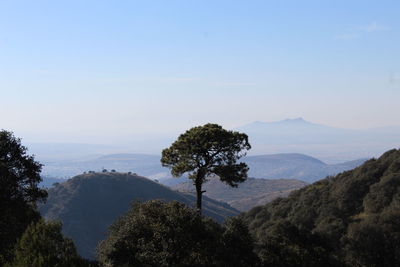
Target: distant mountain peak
[(299, 119), (294, 120)]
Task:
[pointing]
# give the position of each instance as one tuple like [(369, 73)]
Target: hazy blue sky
[(84, 70)]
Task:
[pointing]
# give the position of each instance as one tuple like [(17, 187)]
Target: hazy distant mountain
[(88, 204), (327, 143), (145, 165), (286, 166), (69, 151), (295, 166), (251, 193), (330, 144), (292, 166)]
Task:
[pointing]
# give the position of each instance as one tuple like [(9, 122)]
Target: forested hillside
[(351, 219), (87, 204)]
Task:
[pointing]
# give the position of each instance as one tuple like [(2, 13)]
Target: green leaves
[(205, 146), (155, 233), (160, 234), (43, 245), (19, 192), (208, 150), (19, 172)]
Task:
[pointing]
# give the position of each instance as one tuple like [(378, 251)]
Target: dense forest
[(352, 219)]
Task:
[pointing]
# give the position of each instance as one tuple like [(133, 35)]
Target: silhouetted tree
[(43, 245), (206, 150), (19, 191)]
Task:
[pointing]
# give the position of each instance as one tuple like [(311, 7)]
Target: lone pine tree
[(208, 150)]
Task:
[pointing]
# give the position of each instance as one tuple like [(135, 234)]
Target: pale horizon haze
[(102, 71)]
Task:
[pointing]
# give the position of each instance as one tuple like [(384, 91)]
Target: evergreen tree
[(19, 192), (208, 150), (43, 245)]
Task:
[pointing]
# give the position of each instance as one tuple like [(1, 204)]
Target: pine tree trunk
[(198, 184), (199, 196)]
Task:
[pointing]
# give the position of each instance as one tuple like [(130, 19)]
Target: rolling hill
[(251, 193), (295, 166), (87, 204)]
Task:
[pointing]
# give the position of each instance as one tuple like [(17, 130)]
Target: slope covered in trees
[(87, 204), (351, 219), (252, 192)]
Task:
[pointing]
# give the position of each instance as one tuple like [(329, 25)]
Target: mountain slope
[(251, 193), (327, 143), (294, 166), (351, 219), (88, 204)]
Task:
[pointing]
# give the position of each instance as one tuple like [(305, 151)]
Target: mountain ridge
[(330, 144), (87, 204)]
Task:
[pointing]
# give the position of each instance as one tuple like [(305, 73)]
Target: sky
[(94, 71)]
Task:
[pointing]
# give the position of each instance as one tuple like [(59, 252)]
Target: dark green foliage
[(287, 245), (88, 204), (208, 150), (43, 245), (19, 191), (375, 240), (171, 234), (237, 244), (352, 219)]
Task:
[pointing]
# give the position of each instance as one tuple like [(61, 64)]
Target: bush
[(155, 233), (43, 245)]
